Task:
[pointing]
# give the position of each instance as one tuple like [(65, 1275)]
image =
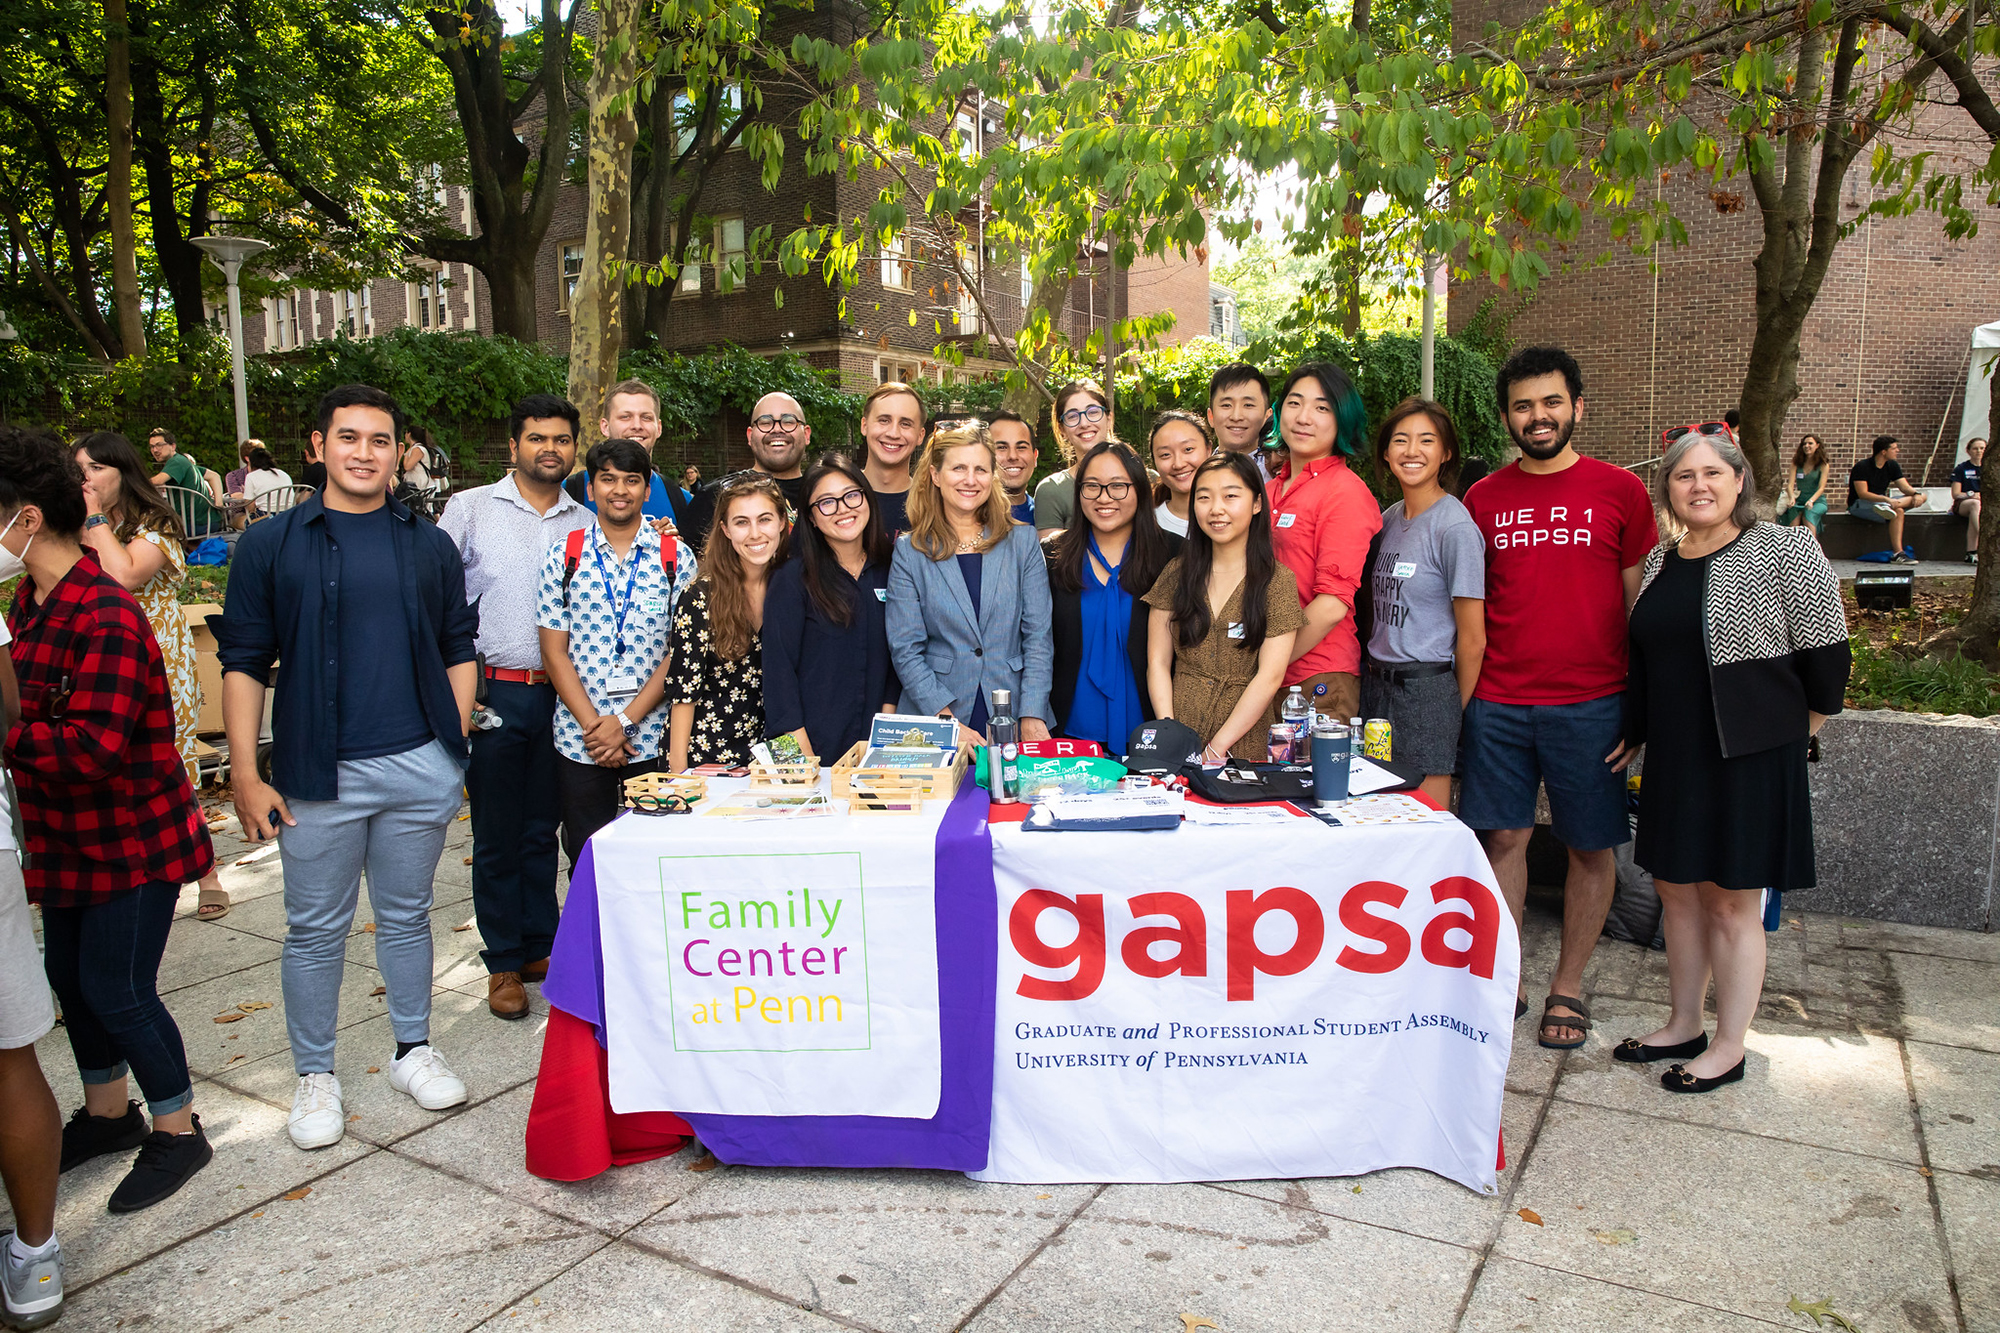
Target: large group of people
[(583, 620)]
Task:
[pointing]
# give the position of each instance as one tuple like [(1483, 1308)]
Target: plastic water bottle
[(1004, 751), (1332, 748), (1294, 714)]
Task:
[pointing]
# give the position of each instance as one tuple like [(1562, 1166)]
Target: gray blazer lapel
[(999, 588), (954, 578)]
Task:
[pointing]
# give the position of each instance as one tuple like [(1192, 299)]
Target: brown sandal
[(1581, 1026), (212, 904)]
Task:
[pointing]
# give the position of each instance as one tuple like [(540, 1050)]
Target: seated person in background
[(264, 477), (1219, 671), (1100, 569), (1965, 496), (232, 483), (1810, 475), (197, 511), (1870, 486)]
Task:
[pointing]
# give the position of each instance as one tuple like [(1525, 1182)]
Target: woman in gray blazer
[(968, 596)]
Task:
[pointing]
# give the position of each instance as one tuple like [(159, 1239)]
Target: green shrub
[(1921, 684)]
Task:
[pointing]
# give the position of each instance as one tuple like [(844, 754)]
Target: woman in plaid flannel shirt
[(113, 827)]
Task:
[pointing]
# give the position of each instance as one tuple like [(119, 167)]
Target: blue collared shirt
[(284, 603)]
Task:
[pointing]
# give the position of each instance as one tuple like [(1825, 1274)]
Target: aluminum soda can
[(1375, 739), (1279, 742)]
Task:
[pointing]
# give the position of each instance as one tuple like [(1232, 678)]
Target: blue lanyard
[(631, 584)]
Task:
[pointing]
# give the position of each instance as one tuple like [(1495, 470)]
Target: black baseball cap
[(1162, 746)]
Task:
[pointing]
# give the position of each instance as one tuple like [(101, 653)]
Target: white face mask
[(11, 565)]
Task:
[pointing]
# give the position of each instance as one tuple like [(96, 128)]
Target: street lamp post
[(228, 254)]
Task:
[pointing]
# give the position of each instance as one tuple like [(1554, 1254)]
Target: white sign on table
[(1247, 1003), (783, 967)]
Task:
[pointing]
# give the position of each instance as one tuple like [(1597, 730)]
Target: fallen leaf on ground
[(299, 1193), (233, 1016), (466, 926), (374, 1069), (1924, 1171), (1045, 1196), (1191, 1322), (356, 1116), (1821, 1311), (1531, 1217), (708, 1162), (234, 1058), (246, 861), (368, 928), (379, 990), (258, 1213), (467, 815), (252, 1006), (1620, 1236), (1357, 1189), (468, 860)]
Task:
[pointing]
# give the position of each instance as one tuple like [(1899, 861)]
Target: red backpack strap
[(667, 557), (572, 553)]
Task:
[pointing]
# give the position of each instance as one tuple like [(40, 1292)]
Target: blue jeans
[(1509, 749), (512, 783), (103, 963), (391, 818)]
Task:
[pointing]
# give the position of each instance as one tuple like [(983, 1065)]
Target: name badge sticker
[(1406, 569), (622, 687), (1286, 520), (881, 594), (1236, 630)]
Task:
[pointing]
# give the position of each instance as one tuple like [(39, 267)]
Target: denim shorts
[(1510, 748)]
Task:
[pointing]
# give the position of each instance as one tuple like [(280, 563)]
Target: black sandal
[(1580, 1025), (1677, 1079), (1632, 1052)]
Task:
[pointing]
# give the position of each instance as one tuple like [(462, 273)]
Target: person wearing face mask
[(1082, 414), (1322, 520), (1739, 653), (1014, 447), (826, 640), (112, 825), (1224, 614), (969, 594), (778, 436), (1180, 440), (892, 426), (1100, 569), (1423, 606), (716, 681)]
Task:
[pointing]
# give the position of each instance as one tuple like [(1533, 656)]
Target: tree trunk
[(158, 153), (597, 313), (118, 179)]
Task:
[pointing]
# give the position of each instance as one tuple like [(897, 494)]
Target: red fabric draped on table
[(573, 1134)]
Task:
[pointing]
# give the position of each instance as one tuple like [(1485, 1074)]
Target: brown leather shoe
[(536, 971), (505, 997)]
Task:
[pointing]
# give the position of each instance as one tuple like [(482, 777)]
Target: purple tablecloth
[(952, 1140)]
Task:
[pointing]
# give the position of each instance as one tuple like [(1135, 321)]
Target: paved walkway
[(1859, 1164)]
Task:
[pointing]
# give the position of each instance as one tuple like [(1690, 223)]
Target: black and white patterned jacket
[(1775, 636)]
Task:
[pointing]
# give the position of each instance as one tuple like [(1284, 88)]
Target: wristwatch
[(97, 521), (631, 727)]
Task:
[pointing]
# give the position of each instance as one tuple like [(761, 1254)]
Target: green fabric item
[(1098, 774)]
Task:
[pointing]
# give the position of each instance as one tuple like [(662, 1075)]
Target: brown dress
[(1209, 679)]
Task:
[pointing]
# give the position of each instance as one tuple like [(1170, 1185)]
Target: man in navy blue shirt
[(1015, 453), (365, 606)]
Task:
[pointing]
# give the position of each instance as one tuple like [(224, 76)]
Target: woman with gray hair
[(1738, 655)]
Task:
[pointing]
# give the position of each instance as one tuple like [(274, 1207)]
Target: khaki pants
[(1342, 697)]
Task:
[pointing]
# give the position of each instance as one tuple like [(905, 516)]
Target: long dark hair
[(141, 507), (1146, 549), (729, 627), (817, 561), (1191, 614)]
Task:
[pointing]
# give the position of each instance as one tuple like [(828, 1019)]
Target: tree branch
[(1945, 51)]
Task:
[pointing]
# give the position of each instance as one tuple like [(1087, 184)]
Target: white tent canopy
[(1972, 423)]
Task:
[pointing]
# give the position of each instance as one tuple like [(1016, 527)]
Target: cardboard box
[(208, 667)]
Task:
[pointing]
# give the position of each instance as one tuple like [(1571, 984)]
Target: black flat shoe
[(87, 1136), (1632, 1052), (1677, 1079), (165, 1163)]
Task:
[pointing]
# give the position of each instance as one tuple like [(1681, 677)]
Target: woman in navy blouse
[(1100, 566), (826, 651)]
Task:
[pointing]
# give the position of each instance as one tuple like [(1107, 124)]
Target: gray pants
[(391, 818)]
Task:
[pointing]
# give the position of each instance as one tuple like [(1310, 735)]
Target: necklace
[(967, 545)]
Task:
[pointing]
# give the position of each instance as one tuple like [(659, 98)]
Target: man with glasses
[(778, 435), (892, 426), (1014, 450), (177, 469)]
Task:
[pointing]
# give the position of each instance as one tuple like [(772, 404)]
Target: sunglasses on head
[(1672, 433)]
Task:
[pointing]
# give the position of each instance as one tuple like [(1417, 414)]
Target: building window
[(1225, 323), (686, 124), (968, 303), (895, 263), (690, 262), (572, 272), (357, 319), (903, 372), (285, 321), (1027, 286), (731, 258), (965, 129), (426, 297)]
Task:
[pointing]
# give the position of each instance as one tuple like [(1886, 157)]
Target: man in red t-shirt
[(1565, 538)]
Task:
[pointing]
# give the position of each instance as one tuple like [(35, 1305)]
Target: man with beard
[(1565, 539), (503, 533), (778, 435)]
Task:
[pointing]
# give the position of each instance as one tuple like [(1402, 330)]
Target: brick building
[(1883, 351)]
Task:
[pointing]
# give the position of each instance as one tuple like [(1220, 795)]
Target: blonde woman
[(969, 593)]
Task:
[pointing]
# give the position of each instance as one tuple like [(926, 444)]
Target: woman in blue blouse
[(1100, 566), (826, 647)]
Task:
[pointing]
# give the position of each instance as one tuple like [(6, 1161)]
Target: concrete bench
[(1935, 534)]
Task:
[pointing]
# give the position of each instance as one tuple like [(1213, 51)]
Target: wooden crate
[(902, 794), (936, 781), (665, 784), (798, 776)]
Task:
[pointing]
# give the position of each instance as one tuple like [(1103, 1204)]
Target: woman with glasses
[(826, 639), (1223, 617), (1083, 417), (716, 681), (1100, 569), (969, 594)]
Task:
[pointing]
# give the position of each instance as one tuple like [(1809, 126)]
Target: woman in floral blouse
[(717, 678)]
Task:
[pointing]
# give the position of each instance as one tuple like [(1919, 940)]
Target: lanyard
[(631, 585)]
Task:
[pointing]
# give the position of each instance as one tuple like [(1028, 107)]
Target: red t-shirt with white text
[(1557, 546)]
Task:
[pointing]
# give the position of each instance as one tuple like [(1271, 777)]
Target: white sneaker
[(31, 1293), (318, 1119), (428, 1079)]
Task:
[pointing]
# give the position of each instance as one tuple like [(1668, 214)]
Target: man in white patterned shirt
[(606, 609), (501, 532)]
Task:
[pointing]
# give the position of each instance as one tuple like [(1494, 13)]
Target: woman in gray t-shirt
[(1427, 593)]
